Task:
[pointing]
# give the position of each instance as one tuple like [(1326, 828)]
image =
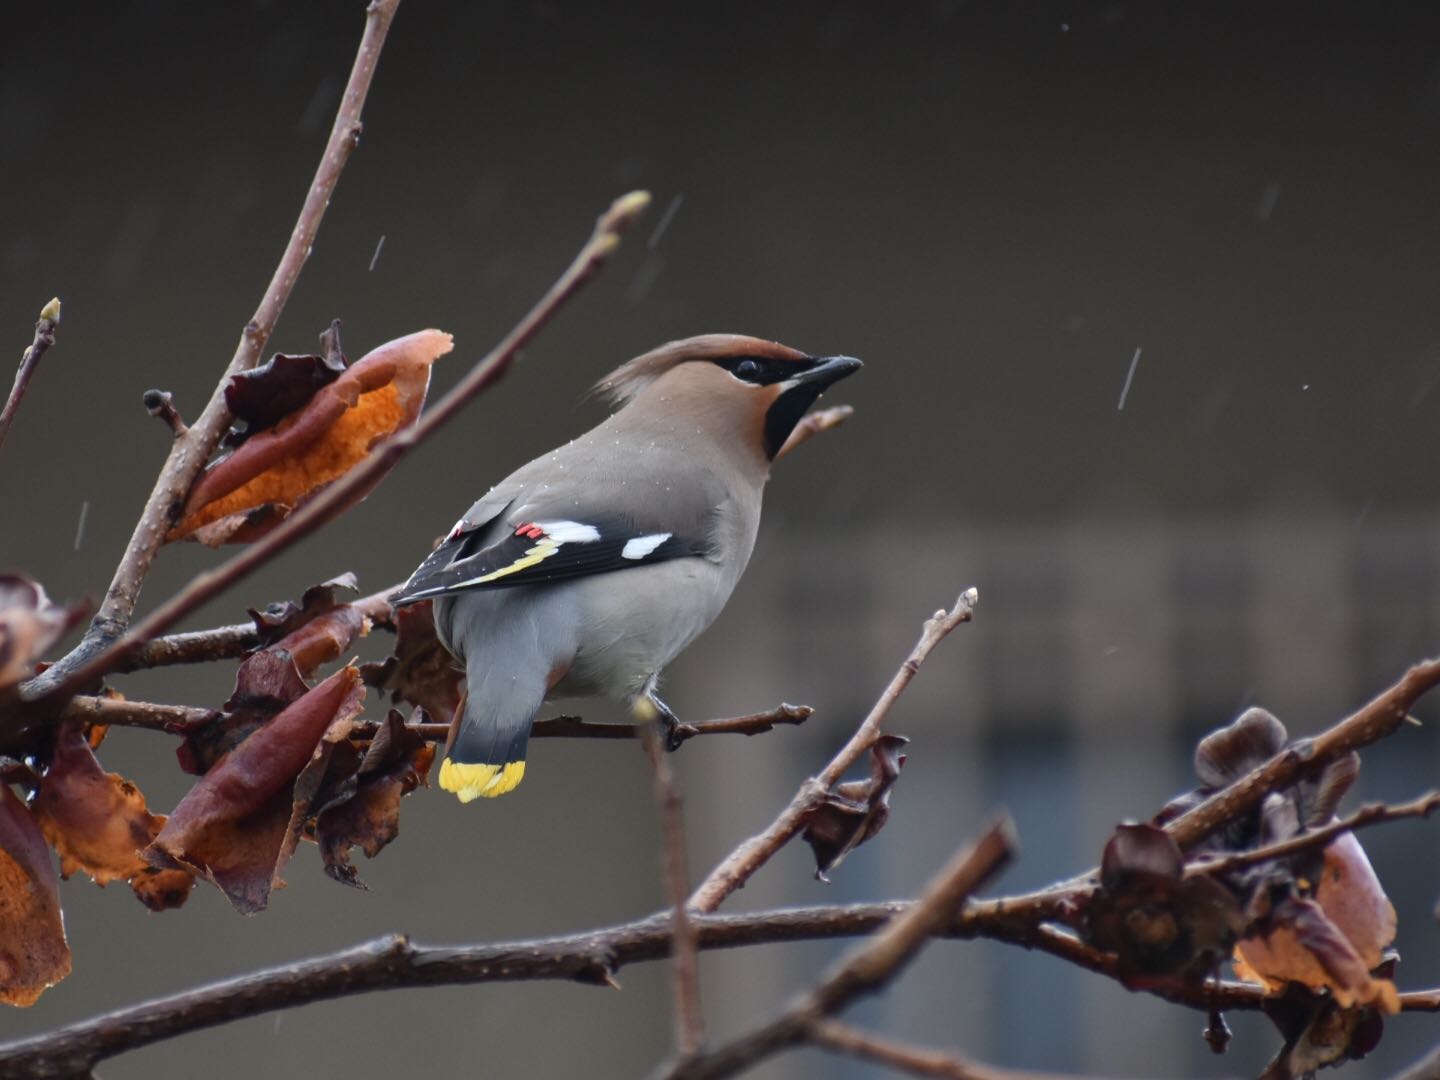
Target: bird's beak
[(825, 370)]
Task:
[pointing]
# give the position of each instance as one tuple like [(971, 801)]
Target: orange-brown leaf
[(97, 821), (234, 826), (245, 494), (33, 953)]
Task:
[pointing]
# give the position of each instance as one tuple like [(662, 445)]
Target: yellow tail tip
[(470, 782)]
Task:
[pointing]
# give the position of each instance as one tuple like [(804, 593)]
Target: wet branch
[(685, 957), (870, 966), (745, 860), (190, 451), (29, 361)]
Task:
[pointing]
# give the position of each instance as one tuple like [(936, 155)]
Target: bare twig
[(340, 495), (161, 404), (915, 1060), (812, 424), (867, 967), (137, 714), (1382, 716), (189, 452), (572, 727), (29, 361), (235, 641), (1371, 814), (685, 954), (1427, 1068), (745, 860)]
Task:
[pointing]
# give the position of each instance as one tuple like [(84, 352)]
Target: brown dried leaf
[(97, 821), (285, 616), (234, 826), (857, 810), (33, 953), (161, 890), (318, 631), (261, 397), (1156, 921), (420, 672), (245, 494), (397, 762), (29, 624), (1334, 940)]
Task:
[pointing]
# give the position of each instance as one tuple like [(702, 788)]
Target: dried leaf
[(161, 890), (420, 671), (234, 826), (29, 624), (855, 811), (285, 616), (33, 953), (397, 762), (1155, 920), (1332, 941), (315, 633), (97, 821), (242, 496), (261, 397)]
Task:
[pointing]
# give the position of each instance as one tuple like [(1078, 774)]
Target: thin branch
[(915, 1060), (812, 424), (189, 452), (235, 641), (1374, 721), (340, 495), (161, 405), (572, 727), (1371, 814), (153, 716), (1427, 1068), (869, 966), (29, 361), (745, 860), (685, 958)]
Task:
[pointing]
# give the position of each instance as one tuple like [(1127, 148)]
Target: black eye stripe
[(762, 370)]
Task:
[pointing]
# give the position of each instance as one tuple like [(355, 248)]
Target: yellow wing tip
[(470, 782)]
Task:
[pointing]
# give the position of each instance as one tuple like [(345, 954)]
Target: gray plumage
[(592, 567)]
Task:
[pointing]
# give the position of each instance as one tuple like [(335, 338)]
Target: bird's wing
[(534, 552)]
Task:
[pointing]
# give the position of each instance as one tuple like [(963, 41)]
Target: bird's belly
[(629, 633)]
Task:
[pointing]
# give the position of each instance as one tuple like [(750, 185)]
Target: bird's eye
[(747, 370)]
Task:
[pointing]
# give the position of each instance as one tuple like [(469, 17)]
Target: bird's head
[(756, 389)]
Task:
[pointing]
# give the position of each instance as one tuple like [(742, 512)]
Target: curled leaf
[(97, 821), (320, 630), (1331, 941), (368, 817), (236, 827), (263, 396), (1155, 920), (420, 671), (30, 623), (857, 810), (33, 953), (243, 495), (161, 890)]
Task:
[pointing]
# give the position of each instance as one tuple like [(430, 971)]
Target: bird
[(587, 571)]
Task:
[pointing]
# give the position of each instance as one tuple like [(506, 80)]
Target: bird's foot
[(668, 724)]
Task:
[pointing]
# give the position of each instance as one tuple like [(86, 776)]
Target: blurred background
[(999, 207)]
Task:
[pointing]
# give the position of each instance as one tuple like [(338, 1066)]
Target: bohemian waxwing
[(591, 568)]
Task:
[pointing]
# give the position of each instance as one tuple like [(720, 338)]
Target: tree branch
[(868, 967), (741, 864), (190, 451), (915, 1060), (340, 495), (685, 958), (812, 424), (592, 956), (29, 361), (1372, 722), (1371, 814)]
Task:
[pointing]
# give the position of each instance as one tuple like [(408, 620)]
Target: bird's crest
[(623, 384)]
